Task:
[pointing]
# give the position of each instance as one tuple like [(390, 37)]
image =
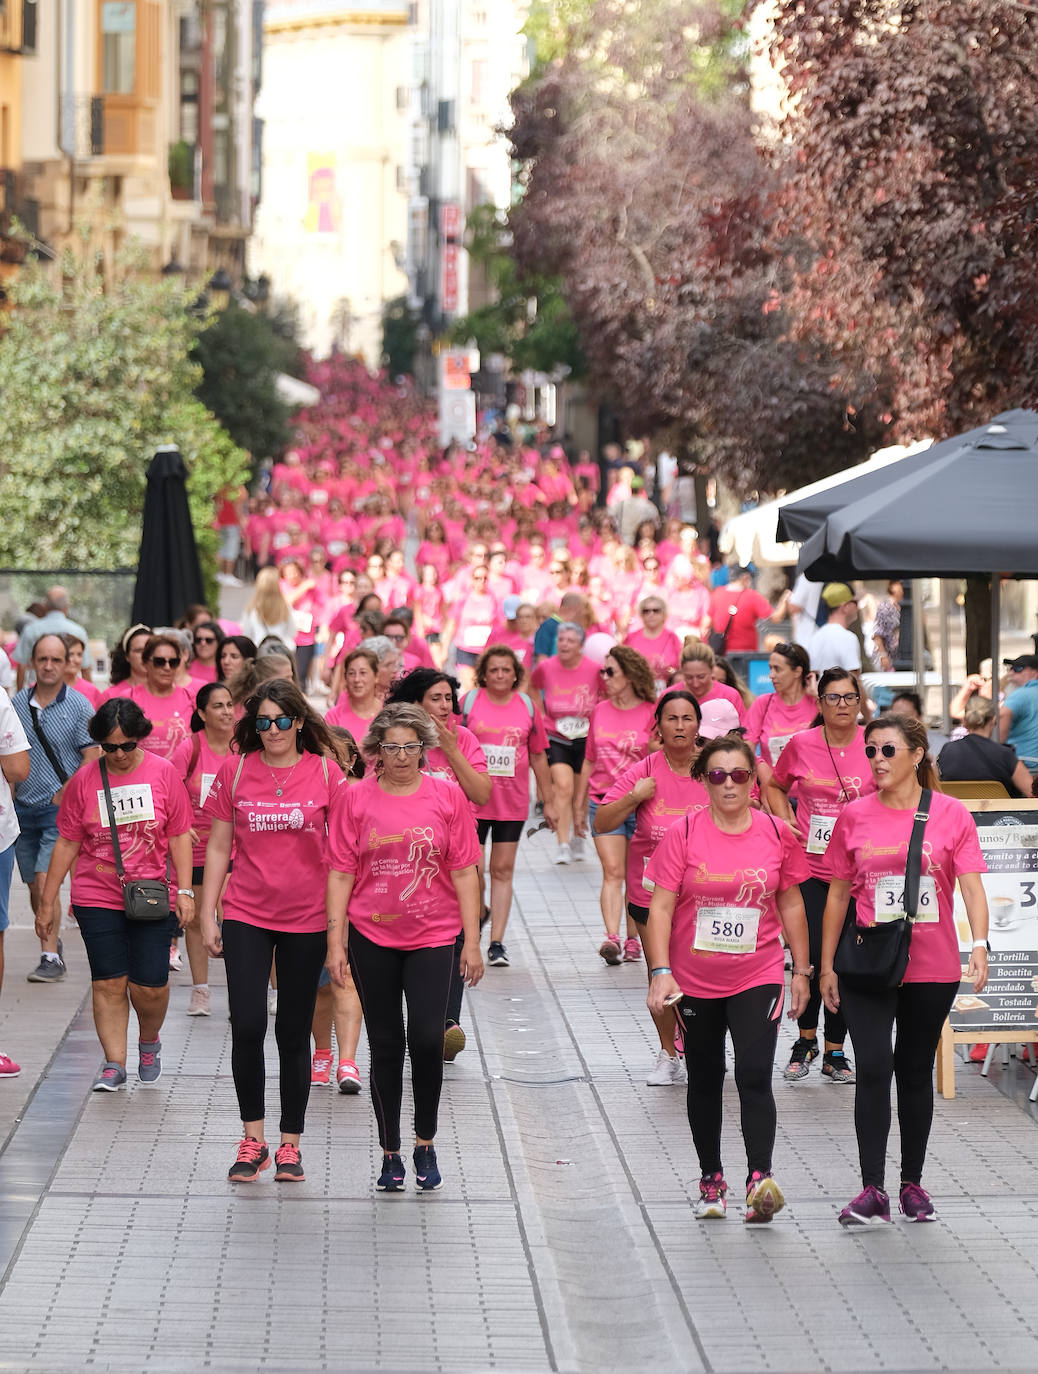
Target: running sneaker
[(321, 1069), (391, 1179), (576, 848), (48, 970), (8, 1068), (804, 1052), (426, 1174), (149, 1067), (199, 1004), (712, 1193), (289, 1163), (870, 1208), (610, 950), (453, 1042), (632, 950), (111, 1078), (763, 1197), (176, 959), (914, 1203), (347, 1075), (563, 855), (979, 1053), (837, 1067), (253, 1157), (669, 1069), (497, 954)]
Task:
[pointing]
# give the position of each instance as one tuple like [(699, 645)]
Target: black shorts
[(638, 913), (503, 832), (197, 874), (119, 948), (465, 658), (568, 751)]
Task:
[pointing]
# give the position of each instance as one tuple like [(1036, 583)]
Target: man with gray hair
[(55, 622)]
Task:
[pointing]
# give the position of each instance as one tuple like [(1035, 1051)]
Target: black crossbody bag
[(145, 899), (55, 763), (874, 958)]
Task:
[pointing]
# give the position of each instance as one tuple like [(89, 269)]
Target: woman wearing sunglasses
[(828, 768), (206, 641), (726, 891), (166, 705), (656, 792), (659, 646), (271, 802), (618, 736), (697, 672), (403, 857), (129, 960), (869, 854)]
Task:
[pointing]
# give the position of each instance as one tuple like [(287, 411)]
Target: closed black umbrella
[(169, 576)]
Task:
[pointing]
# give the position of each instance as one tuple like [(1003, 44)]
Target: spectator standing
[(55, 620), (1018, 716), (835, 645)]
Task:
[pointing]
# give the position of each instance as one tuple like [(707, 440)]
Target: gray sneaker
[(48, 971), (149, 1070), (111, 1078)]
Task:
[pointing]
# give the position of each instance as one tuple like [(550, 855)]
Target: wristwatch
[(808, 972)]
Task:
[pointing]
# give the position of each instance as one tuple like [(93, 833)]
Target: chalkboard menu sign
[(1009, 842)]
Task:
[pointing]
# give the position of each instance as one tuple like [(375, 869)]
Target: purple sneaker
[(915, 1203), (870, 1208)]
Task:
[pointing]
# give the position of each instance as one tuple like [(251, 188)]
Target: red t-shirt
[(745, 607)]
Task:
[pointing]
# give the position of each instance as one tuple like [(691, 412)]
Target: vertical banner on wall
[(450, 247), (322, 194)]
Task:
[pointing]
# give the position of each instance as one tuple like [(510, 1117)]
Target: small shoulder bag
[(874, 958), (145, 899)]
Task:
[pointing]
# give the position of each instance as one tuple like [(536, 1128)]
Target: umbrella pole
[(945, 659), (919, 639), (996, 670)]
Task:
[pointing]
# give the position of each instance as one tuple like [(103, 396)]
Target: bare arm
[(336, 904), (613, 815), (217, 857), (972, 888), (794, 927), (15, 767), (778, 802), (656, 939), (466, 885), (1022, 779), (477, 786), (62, 858)]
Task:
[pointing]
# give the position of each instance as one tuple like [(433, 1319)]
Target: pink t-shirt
[(720, 691), (342, 715), (726, 935), (88, 690), (869, 849), (771, 723), (170, 718), (403, 851), (198, 781), (438, 767), (616, 739), (826, 779), (507, 736), (474, 617), (570, 694), (663, 653), (676, 794), (280, 848), (155, 807), (687, 607)]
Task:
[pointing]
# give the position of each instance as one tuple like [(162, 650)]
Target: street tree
[(241, 352)]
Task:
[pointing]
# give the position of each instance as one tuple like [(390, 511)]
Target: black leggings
[(247, 954), (457, 988), (919, 1011), (382, 977), (815, 893), (753, 1019)]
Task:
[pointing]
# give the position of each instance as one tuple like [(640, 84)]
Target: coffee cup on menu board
[(1003, 909)]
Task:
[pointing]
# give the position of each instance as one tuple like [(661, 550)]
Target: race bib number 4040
[(890, 900), (130, 804), (727, 929)]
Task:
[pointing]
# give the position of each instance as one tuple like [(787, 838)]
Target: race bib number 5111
[(129, 804)]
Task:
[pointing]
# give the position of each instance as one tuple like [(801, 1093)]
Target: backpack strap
[(237, 775), (467, 703)]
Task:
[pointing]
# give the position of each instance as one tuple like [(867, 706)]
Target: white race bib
[(500, 760), (207, 786), (303, 621), (573, 727), (475, 636), (130, 804), (890, 900), (776, 744), (819, 833), (727, 929), (336, 547)]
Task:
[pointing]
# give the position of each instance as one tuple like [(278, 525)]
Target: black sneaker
[(391, 1179), (837, 1067), (497, 954), (804, 1053), (426, 1175)]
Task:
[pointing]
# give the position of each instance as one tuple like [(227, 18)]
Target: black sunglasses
[(127, 747), (165, 662), (887, 750), (607, 672), (205, 639), (283, 723), (718, 775)]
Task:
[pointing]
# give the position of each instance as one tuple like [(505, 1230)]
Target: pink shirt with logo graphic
[(280, 850), (676, 794), (567, 691), (663, 653), (402, 851), (199, 781), (474, 616), (870, 842), (827, 778), (500, 729), (170, 718), (770, 722), (616, 739), (154, 792), (720, 691), (724, 883), (438, 767)]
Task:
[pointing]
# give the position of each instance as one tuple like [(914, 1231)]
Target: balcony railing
[(82, 125), (19, 217)]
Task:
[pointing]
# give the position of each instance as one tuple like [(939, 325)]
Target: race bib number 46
[(727, 929), (819, 833), (890, 900), (129, 804)]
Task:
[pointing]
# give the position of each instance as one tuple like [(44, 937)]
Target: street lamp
[(220, 287)]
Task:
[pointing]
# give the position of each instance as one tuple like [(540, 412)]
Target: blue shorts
[(626, 829), (35, 844), (6, 874), (119, 948)]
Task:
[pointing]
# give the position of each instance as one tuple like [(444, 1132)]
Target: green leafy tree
[(95, 373), (399, 337), (241, 353)]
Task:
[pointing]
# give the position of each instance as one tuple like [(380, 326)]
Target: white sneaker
[(563, 855), (176, 960), (576, 847), (669, 1070)]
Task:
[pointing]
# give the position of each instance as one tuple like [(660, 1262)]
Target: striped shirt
[(64, 722)]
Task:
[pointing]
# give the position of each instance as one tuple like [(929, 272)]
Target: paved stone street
[(562, 1239)]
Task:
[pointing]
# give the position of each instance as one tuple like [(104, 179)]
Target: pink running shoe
[(8, 1068), (321, 1069), (610, 949), (632, 950)]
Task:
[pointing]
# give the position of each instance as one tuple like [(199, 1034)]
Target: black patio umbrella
[(169, 576)]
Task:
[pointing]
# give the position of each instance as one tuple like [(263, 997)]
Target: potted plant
[(182, 170)]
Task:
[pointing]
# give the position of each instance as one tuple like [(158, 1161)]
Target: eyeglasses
[(834, 698), (397, 638), (205, 639), (283, 723), (165, 662), (405, 750), (607, 672), (887, 750), (127, 747), (652, 610), (719, 775)]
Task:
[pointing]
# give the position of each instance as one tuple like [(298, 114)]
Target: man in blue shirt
[(54, 718), (1018, 717)]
